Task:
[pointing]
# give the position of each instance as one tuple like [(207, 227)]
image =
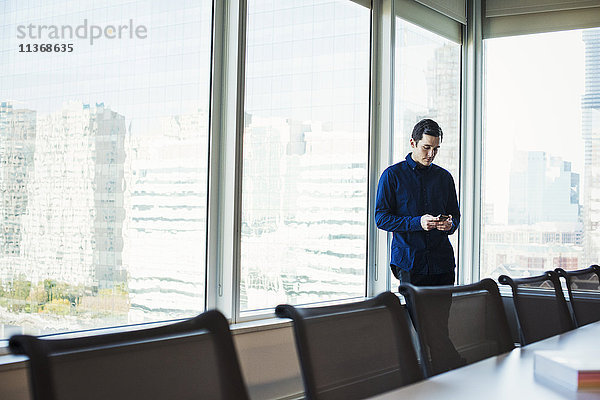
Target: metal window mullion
[(217, 87), (372, 274), (471, 146), (381, 136), (239, 156), (223, 258)]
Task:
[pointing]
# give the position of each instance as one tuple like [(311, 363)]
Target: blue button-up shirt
[(404, 194)]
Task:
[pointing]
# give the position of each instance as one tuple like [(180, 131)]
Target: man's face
[(425, 150)]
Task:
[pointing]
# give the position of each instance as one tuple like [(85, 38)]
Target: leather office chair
[(192, 359), (457, 325), (583, 286), (353, 351), (542, 314)]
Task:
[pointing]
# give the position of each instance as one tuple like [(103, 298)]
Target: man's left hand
[(444, 225)]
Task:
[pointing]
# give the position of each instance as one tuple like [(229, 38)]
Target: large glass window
[(427, 85), (103, 162), (304, 200), (541, 171)]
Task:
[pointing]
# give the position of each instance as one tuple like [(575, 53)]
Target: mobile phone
[(443, 217)]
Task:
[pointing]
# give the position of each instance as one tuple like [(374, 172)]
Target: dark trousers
[(424, 280), (442, 353)]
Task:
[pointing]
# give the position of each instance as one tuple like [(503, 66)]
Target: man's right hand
[(429, 222)]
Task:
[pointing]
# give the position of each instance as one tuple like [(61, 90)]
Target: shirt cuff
[(415, 224), (453, 229)]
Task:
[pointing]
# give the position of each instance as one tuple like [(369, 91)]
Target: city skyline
[(96, 208), (538, 204), (121, 203), (548, 69)]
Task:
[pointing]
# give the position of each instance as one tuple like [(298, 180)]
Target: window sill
[(10, 361)]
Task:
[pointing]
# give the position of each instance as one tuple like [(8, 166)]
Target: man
[(416, 200)]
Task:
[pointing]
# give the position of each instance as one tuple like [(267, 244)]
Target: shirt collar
[(413, 164)]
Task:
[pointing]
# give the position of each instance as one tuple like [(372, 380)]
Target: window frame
[(223, 249), (227, 79)]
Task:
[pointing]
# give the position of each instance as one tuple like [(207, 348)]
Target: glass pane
[(541, 175), (427, 85), (304, 201), (103, 148)]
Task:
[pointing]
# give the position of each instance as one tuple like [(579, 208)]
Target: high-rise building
[(443, 95), (591, 137), (74, 218), (166, 217), (525, 250), (544, 228), (109, 159), (307, 162), (542, 188), (17, 144)]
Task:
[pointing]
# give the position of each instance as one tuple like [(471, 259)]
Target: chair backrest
[(584, 293), (191, 359), (542, 314), (457, 325), (353, 351)]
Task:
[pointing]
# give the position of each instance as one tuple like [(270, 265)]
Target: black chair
[(353, 351), (540, 314), (192, 359), (583, 286), (457, 325)]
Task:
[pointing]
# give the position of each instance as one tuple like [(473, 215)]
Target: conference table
[(507, 376)]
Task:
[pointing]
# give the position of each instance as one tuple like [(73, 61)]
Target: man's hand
[(429, 222), (444, 225)]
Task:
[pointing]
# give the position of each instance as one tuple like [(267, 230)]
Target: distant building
[(487, 213), (443, 93), (443, 97), (75, 212), (590, 105), (109, 158), (542, 189), (544, 228), (166, 198), (304, 212), (525, 250), (17, 145)]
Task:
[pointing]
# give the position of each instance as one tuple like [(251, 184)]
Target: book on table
[(575, 370)]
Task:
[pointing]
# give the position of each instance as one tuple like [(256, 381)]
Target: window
[(541, 174), (427, 85), (305, 149), (105, 151), (104, 154)]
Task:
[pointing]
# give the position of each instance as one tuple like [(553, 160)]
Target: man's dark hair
[(426, 127)]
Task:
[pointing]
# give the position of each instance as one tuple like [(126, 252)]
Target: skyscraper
[(542, 188), (165, 199), (591, 137), (17, 143), (74, 218), (307, 162), (109, 157), (442, 96)]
